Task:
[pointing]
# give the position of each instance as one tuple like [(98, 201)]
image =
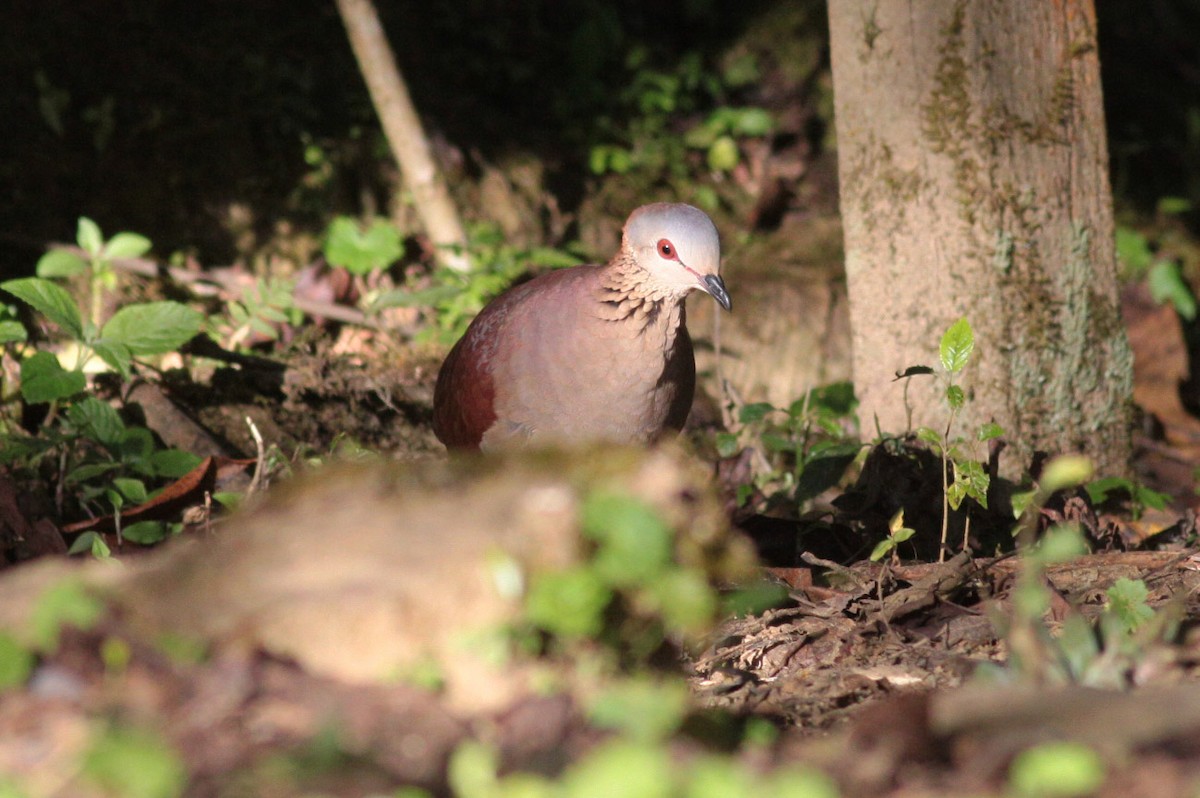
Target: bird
[(590, 353)]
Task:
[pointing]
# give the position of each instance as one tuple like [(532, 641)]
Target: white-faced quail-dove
[(589, 353)]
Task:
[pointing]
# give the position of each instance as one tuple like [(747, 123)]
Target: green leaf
[(777, 443), (1099, 490), (752, 122), (471, 770), (723, 155), (51, 300), (132, 489), (754, 598), (145, 533), (641, 771), (756, 411), (361, 252), (173, 463), (686, 600), (881, 549), (154, 327), (135, 764), (65, 603), (990, 431), (136, 443), (1166, 284), (930, 436), (1173, 206), (44, 380), (1061, 543), (1134, 250), (955, 397), (635, 546), (12, 332), (1056, 770), (727, 444), (568, 603), (115, 354), (643, 708), (97, 420), (956, 346), (1065, 471), (89, 237), (60, 263), (16, 662), (127, 245), (1153, 499), (1127, 601)]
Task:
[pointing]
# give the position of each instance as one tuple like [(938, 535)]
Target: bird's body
[(586, 353)]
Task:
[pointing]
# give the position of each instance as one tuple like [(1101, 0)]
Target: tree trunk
[(403, 129), (974, 181)]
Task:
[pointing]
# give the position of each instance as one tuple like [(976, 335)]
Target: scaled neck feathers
[(627, 294)]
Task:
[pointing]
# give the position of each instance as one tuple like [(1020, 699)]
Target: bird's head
[(678, 247)]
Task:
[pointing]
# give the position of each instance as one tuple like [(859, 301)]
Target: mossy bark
[(974, 181)]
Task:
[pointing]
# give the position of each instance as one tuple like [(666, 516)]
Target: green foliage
[(107, 462), (963, 473), (66, 603), (1163, 276), (258, 311), (455, 298), (897, 534), (361, 251), (134, 764), (647, 141), (1056, 770), (1141, 498), (809, 445)]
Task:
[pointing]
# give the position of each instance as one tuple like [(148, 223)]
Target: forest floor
[(869, 671)]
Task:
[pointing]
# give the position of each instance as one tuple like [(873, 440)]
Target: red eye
[(666, 249)]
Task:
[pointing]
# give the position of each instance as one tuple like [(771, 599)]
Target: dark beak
[(716, 286)]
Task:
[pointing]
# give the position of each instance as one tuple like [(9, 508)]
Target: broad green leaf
[(127, 245), (930, 436), (97, 420), (145, 533), (990, 431), (727, 444), (1134, 250), (723, 155), (44, 380), (154, 327), (89, 237), (1099, 489), (65, 603), (1065, 471), (132, 489), (569, 603), (881, 549), (685, 599), (89, 471), (752, 122), (1061, 543), (135, 764), (635, 545), (1166, 284), (361, 252), (115, 354), (51, 300), (1174, 205), (136, 443), (11, 332), (644, 708), (173, 463), (642, 771), (754, 412), (956, 346), (16, 662), (1056, 770), (60, 263)]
